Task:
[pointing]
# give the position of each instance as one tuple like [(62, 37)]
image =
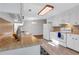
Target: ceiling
[(35, 8), (13, 9)]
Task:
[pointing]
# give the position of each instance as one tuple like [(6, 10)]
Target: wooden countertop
[(57, 49), (8, 42)]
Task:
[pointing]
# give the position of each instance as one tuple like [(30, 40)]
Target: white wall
[(35, 29), (69, 16)]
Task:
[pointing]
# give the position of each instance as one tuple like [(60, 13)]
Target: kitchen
[(26, 29), (64, 29)]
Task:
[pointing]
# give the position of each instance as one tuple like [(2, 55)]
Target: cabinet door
[(77, 43), (46, 31), (70, 41)]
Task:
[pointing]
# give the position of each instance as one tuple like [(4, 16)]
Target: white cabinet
[(70, 41), (73, 41), (76, 47), (46, 31)]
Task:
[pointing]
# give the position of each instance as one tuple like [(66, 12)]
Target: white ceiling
[(35, 8), (11, 9)]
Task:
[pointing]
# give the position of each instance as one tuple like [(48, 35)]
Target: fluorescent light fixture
[(46, 9)]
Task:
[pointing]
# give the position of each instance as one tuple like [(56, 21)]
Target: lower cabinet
[(70, 41), (76, 43), (73, 41)]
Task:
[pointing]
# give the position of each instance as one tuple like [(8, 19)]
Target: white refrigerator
[(46, 31)]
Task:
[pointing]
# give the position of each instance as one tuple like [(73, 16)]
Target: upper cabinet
[(10, 7)]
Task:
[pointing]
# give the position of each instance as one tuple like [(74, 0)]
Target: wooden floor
[(57, 50), (8, 42)]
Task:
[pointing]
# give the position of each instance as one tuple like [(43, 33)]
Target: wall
[(35, 27)]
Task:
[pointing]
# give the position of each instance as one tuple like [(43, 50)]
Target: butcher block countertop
[(57, 49), (8, 42)]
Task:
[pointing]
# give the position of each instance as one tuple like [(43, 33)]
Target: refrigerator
[(46, 31)]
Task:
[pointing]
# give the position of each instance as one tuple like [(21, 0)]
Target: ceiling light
[(46, 9)]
